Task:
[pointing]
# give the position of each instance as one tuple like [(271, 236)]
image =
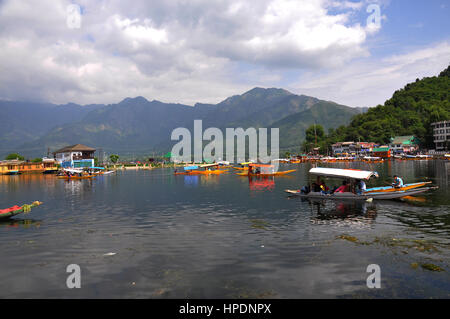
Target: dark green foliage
[(410, 111), (114, 158), (137, 126), (14, 156), (37, 160)]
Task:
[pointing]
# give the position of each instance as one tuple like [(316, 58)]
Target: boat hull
[(15, 210), (351, 196), (393, 189), (271, 174)]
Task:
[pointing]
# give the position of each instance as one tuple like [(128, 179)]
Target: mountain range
[(138, 126)]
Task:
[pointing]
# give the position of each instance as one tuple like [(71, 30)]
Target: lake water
[(222, 237)]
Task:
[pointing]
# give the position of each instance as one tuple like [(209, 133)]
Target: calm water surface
[(222, 237)]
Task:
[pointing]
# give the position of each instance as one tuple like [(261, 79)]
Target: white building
[(441, 134)]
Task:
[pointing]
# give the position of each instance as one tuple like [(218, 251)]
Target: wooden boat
[(15, 210), (352, 196), (266, 170), (12, 172), (393, 189), (267, 174), (354, 174), (202, 170), (372, 159), (207, 169), (243, 167)]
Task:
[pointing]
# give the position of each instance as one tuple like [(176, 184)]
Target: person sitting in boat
[(361, 186), (398, 182), (305, 190), (344, 188), (324, 188), (316, 188)]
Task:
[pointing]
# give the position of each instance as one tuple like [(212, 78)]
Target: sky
[(355, 53)]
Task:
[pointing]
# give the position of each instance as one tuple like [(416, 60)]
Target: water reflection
[(191, 180), (20, 223), (261, 183), (343, 209)]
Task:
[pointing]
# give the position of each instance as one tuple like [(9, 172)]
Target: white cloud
[(171, 50), (371, 82)]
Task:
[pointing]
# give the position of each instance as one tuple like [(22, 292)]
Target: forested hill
[(410, 111)]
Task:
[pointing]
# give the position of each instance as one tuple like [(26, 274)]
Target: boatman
[(362, 186), (398, 182)]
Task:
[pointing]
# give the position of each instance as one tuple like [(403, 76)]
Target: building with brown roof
[(75, 156)]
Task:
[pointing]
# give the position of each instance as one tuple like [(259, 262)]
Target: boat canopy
[(246, 163), (188, 168), (74, 171), (209, 165), (343, 173), (98, 167), (260, 165)]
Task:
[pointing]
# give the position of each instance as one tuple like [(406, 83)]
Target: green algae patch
[(431, 267), (348, 238), (414, 265), (259, 224)]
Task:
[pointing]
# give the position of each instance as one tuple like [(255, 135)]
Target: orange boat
[(263, 170), (194, 170), (386, 189)]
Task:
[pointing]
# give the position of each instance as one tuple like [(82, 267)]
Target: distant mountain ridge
[(138, 126)]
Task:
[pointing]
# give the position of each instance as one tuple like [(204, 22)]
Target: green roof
[(404, 140), (381, 149)]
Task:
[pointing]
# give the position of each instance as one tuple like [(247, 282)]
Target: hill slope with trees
[(410, 111)]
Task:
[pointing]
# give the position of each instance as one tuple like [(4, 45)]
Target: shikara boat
[(243, 167), (405, 187), (15, 210), (264, 170), (372, 159), (353, 174), (207, 169)]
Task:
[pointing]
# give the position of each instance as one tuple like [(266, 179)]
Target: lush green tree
[(114, 158), (37, 160), (14, 156), (410, 111)]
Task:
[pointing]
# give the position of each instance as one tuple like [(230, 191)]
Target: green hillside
[(410, 111), (138, 126)]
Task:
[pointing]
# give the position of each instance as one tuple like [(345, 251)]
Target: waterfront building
[(404, 144), (383, 151), (75, 156), (346, 148), (441, 135)]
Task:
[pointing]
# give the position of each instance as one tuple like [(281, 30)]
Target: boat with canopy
[(206, 169), (354, 175), (15, 210), (243, 167), (263, 170)]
